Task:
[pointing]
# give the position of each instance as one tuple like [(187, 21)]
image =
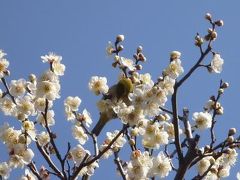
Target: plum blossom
[(98, 85), (217, 63)]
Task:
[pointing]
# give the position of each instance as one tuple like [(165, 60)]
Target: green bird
[(118, 91)]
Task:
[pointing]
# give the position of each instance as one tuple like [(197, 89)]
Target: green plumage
[(116, 92)]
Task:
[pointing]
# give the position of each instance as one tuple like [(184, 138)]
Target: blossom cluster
[(136, 100)]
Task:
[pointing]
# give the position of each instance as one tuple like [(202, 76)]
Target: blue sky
[(80, 30)]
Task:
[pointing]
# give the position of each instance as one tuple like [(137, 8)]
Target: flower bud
[(232, 131), (134, 132), (221, 91), (219, 23), (210, 30), (139, 49), (135, 56), (22, 139), (142, 57), (225, 85), (139, 67), (132, 142), (207, 148), (212, 160), (161, 117), (32, 78), (207, 37), (230, 139), (208, 16), (214, 170), (213, 35), (219, 111), (120, 38), (175, 55), (199, 42), (114, 64), (7, 73), (120, 48)]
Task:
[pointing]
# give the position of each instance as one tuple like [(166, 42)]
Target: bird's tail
[(100, 124)]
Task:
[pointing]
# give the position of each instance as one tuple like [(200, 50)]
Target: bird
[(119, 91)]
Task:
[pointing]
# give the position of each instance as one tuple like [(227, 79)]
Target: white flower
[(28, 175), (43, 138), (137, 96), (130, 115), (79, 134), (216, 63), (161, 165), (167, 85), (174, 69), (25, 106), (50, 118), (2, 54), (98, 85), (49, 76), (209, 105), (175, 55), (238, 176), (154, 136), (40, 104), (18, 87), (231, 157), (203, 120), (146, 79), (73, 102), (3, 67), (127, 63), (69, 114), (151, 109), (203, 165), (51, 57), (78, 153), (29, 127), (7, 106), (119, 143), (4, 169), (109, 48), (58, 68), (48, 90), (224, 171), (87, 118), (21, 156), (8, 135), (139, 165), (89, 170)]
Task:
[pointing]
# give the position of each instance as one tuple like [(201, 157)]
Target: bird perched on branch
[(117, 92)]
